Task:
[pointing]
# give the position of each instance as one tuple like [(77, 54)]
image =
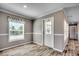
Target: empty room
[(39, 29)]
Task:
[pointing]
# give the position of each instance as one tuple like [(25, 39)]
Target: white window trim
[(16, 38)]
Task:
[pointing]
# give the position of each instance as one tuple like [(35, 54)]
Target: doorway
[(49, 32), (73, 31)]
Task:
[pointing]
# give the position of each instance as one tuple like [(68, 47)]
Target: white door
[(73, 32), (49, 32)]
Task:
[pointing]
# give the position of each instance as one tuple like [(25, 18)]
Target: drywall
[(73, 32), (72, 14), (49, 36), (78, 31), (59, 22), (38, 31), (58, 31), (4, 35)]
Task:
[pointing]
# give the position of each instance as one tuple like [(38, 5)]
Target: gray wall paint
[(58, 29), (78, 31), (38, 31), (4, 40), (59, 22), (59, 42)]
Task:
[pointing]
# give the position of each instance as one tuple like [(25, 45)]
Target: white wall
[(38, 31), (72, 14)]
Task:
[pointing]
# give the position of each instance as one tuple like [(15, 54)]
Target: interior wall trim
[(58, 49), (37, 33), (59, 34), (8, 34), (3, 34), (28, 33), (48, 13), (38, 43), (31, 33), (16, 14), (15, 45)]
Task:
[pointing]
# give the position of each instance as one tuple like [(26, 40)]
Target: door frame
[(52, 29)]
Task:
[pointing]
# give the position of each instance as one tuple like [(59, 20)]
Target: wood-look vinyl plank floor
[(72, 49)]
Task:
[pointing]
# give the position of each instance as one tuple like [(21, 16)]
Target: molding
[(48, 13), (3, 34), (33, 33), (38, 43), (59, 34), (28, 33), (66, 42), (15, 46), (28, 17), (58, 50), (38, 33), (16, 14), (24, 34)]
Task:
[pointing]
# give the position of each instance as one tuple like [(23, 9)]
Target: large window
[(16, 30)]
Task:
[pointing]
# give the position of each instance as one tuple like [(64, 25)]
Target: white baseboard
[(58, 50), (65, 44), (15, 46), (38, 43), (52, 48)]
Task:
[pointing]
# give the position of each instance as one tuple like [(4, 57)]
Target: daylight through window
[(16, 30)]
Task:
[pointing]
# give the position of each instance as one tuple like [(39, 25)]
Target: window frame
[(16, 38)]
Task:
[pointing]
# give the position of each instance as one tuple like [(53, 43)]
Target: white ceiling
[(34, 10), (72, 14)]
